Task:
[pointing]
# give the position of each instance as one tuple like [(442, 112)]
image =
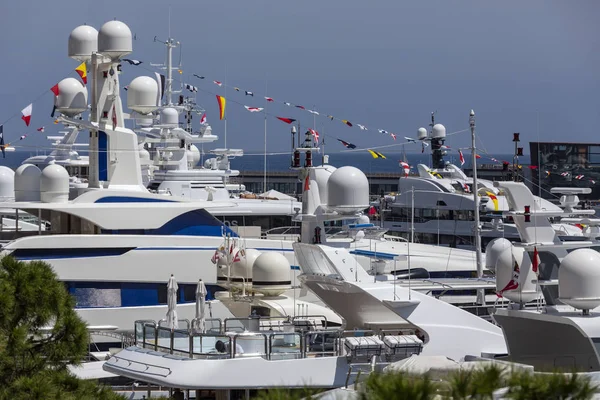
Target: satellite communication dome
[(144, 122), (83, 41), (271, 274), (7, 183), (54, 184), (421, 133), (169, 117), (363, 219), (193, 155), (348, 190), (321, 176), (142, 94), (115, 40), (72, 97), (438, 131), (144, 154), (27, 183), (579, 279), (498, 251)]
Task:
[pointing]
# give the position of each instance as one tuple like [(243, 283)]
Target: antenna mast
[(477, 230)]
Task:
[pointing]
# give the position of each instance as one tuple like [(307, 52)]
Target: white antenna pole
[(265, 144), (480, 292), (225, 114), (169, 88), (412, 216), (412, 229)]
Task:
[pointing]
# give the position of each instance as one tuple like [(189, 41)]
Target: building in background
[(565, 165)]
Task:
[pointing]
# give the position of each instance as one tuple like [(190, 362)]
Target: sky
[(524, 66)]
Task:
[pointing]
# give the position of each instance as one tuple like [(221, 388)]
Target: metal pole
[(94, 179), (412, 229), (480, 292), (169, 88), (412, 215)]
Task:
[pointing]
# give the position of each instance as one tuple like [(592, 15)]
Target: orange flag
[(221, 101), (82, 71)]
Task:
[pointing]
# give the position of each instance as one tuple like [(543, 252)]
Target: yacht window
[(441, 203), (153, 186), (466, 215), (162, 294), (445, 214), (429, 213)]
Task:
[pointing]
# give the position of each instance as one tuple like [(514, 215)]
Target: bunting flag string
[(27, 114), (254, 109), (290, 120), (346, 144)]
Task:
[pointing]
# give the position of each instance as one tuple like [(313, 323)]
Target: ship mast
[(477, 228)]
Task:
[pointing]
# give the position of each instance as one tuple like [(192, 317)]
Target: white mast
[(477, 231)]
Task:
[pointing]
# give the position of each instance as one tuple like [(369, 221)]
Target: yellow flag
[(82, 71), (222, 103)]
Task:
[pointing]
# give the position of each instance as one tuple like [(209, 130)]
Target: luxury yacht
[(564, 332), (436, 206), (382, 322)]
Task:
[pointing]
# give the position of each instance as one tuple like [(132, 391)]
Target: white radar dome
[(115, 40), (579, 279), (193, 155), (7, 183), (144, 122), (83, 41), (497, 251), (271, 274), (27, 183), (321, 176), (72, 97), (363, 219), (348, 190), (144, 154), (438, 131), (142, 94), (421, 133), (54, 184), (169, 117)]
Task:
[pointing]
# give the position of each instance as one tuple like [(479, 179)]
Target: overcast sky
[(386, 64)]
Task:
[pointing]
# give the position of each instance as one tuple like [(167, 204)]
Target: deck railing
[(274, 345)]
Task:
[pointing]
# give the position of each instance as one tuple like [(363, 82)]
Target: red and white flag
[(253, 109), (269, 99), (27, 114), (393, 135), (579, 177), (405, 168), (41, 129), (513, 283), (461, 158), (216, 256), (535, 264), (203, 119), (218, 83), (315, 135)]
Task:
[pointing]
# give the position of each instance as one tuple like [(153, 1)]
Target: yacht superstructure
[(436, 206)]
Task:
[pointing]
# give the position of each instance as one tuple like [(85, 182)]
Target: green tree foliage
[(40, 335), (477, 384)]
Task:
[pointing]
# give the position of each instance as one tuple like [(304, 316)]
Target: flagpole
[(265, 144), (225, 113), (480, 292)]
